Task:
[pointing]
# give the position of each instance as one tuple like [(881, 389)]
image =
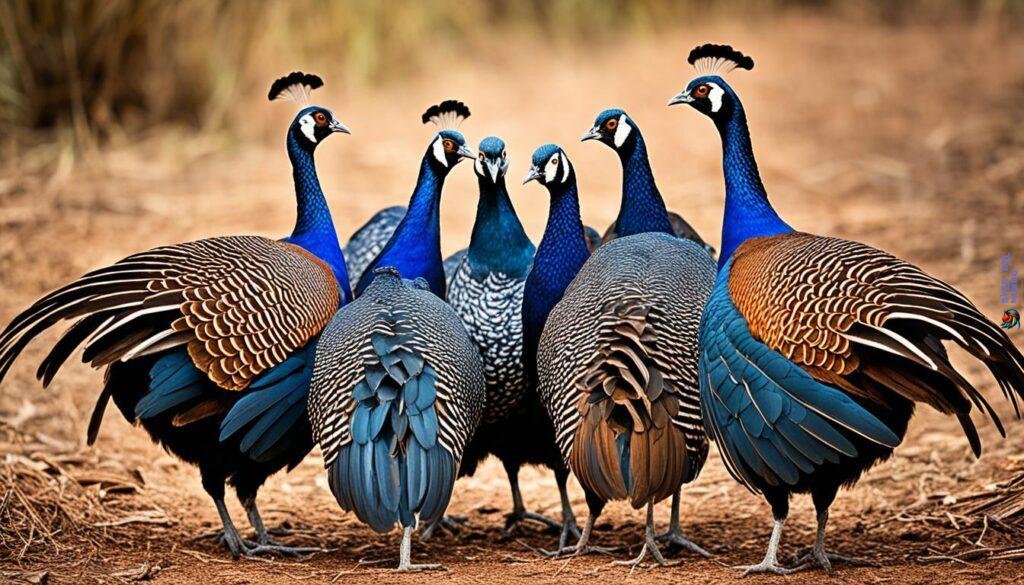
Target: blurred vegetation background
[(81, 73)]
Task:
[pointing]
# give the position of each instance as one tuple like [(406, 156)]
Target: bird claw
[(824, 560), (638, 561), (569, 528), (288, 551), (675, 537), (575, 551), (451, 524), (412, 568), (765, 567), (514, 518)]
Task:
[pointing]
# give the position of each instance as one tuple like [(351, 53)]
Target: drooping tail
[(394, 468), (626, 445)]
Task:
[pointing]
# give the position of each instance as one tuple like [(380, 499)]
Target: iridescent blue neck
[(415, 247), (562, 252), (748, 214), (498, 243), (314, 228), (642, 209)]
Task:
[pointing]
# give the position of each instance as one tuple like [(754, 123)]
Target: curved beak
[(682, 97), (465, 152), (592, 134), (533, 175), (337, 126)]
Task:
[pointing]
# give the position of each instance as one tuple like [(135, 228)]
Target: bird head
[(313, 124), (550, 167), (614, 128), (492, 159), (709, 93), (448, 149), (449, 146)]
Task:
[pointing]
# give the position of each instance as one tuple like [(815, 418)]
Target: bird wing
[(241, 304), (770, 418)]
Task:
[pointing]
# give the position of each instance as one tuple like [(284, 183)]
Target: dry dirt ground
[(907, 138)]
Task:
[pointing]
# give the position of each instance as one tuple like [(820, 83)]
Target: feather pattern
[(617, 367), (397, 392), (241, 304)]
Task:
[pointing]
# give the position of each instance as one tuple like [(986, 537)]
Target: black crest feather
[(711, 58), (294, 86), (446, 114)]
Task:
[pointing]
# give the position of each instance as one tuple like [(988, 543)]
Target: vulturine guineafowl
[(398, 387), (815, 350), (486, 290), (220, 330), (617, 359), (642, 209), (397, 392), (415, 246)]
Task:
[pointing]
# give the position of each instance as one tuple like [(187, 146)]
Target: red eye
[(701, 90), (611, 124), (320, 117), (449, 145)]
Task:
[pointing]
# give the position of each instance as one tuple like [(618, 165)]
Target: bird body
[(210, 333), (618, 370), (398, 387), (397, 392), (815, 350), (616, 361)]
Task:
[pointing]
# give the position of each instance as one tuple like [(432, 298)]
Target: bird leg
[(569, 526), (675, 534), (582, 546), (819, 557), (649, 546), (405, 555), (265, 544), (229, 537), (519, 513), (770, 564)]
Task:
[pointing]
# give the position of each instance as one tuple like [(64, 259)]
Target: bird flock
[(616, 359)]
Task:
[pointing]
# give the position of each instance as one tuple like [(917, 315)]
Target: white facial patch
[(479, 166), (566, 167), (622, 131), (551, 168), (308, 127), (715, 96), (439, 151)]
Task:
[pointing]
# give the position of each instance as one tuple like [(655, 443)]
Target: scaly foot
[(825, 560), (675, 537)]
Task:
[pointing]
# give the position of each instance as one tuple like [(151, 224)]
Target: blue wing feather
[(773, 421)]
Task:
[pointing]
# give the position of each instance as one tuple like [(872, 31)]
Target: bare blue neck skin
[(748, 214), (560, 256), (498, 243), (314, 228), (642, 209), (415, 247)]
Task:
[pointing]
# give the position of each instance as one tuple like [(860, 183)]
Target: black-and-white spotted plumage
[(490, 306), (662, 280), (432, 331)]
